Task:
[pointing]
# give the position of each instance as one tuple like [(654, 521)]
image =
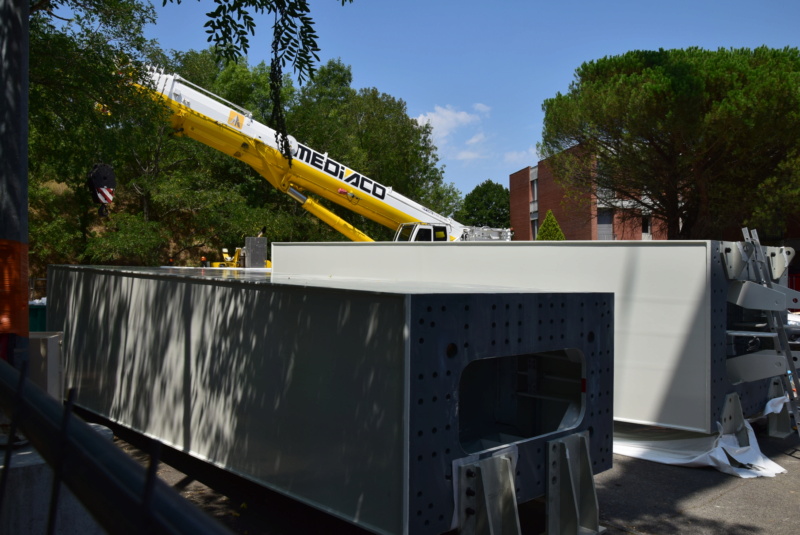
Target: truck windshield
[(404, 233)]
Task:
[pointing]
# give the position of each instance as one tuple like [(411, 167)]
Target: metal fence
[(120, 494)]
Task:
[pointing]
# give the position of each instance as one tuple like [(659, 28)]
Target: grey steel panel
[(352, 401), (255, 250), (45, 366), (670, 306), (302, 391)]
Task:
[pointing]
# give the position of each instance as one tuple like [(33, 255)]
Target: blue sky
[(480, 70)]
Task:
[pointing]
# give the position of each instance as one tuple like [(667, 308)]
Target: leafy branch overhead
[(294, 43)]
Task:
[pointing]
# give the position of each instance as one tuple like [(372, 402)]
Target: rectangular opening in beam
[(503, 400)]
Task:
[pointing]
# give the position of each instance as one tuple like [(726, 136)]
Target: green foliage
[(775, 201), (549, 230), (686, 135), (200, 67), (487, 205), (231, 23), (372, 133), (55, 225), (131, 240), (294, 44), (82, 111), (74, 75), (176, 197), (444, 199)]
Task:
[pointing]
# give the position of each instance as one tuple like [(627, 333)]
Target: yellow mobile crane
[(206, 117)]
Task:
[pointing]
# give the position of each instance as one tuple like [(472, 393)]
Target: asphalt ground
[(638, 496), (635, 497)]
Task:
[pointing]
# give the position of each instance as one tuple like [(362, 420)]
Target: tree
[(371, 132), (82, 112), (487, 205), (550, 230), (178, 198), (294, 42), (181, 199), (696, 138)]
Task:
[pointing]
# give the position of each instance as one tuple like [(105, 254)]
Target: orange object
[(13, 287)]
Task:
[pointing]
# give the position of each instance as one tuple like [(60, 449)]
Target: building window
[(534, 228), (647, 230), (605, 224)]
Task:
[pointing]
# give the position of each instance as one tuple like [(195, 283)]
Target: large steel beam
[(671, 309), (361, 402)]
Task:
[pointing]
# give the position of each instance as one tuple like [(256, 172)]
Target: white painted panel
[(356, 402), (662, 302)]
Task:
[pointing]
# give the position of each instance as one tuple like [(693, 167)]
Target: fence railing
[(119, 493)]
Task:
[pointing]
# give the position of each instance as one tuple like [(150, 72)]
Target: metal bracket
[(733, 420), (792, 296), (779, 259), (754, 296), (487, 497), (775, 317), (737, 256), (756, 366), (779, 425), (571, 496)]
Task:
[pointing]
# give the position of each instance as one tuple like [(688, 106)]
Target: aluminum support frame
[(571, 496), (779, 425), (733, 420), (487, 500)]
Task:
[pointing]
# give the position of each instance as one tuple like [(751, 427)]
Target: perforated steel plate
[(355, 401)]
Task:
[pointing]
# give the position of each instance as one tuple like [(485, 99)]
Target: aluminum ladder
[(764, 268)]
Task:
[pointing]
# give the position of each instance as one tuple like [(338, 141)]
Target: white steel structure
[(672, 314), (402, 408)]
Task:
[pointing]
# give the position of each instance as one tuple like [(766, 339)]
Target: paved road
[(635, 496), (643, 497)]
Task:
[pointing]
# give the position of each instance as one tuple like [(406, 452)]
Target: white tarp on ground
[(684, 448)]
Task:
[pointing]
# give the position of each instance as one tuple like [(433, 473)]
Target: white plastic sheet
[(775, 406), (684, 448)]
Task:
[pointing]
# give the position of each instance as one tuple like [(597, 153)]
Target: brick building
[(534, 190)]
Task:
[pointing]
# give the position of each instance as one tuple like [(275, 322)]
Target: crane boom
[(205, 117)]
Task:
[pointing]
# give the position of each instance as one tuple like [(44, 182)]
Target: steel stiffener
[(363, 403)]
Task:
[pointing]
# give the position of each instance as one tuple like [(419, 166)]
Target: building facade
[(534, 190)]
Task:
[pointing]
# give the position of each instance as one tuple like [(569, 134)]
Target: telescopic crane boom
[(207, 118)]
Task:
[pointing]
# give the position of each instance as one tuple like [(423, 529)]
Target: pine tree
[(550, 231)]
